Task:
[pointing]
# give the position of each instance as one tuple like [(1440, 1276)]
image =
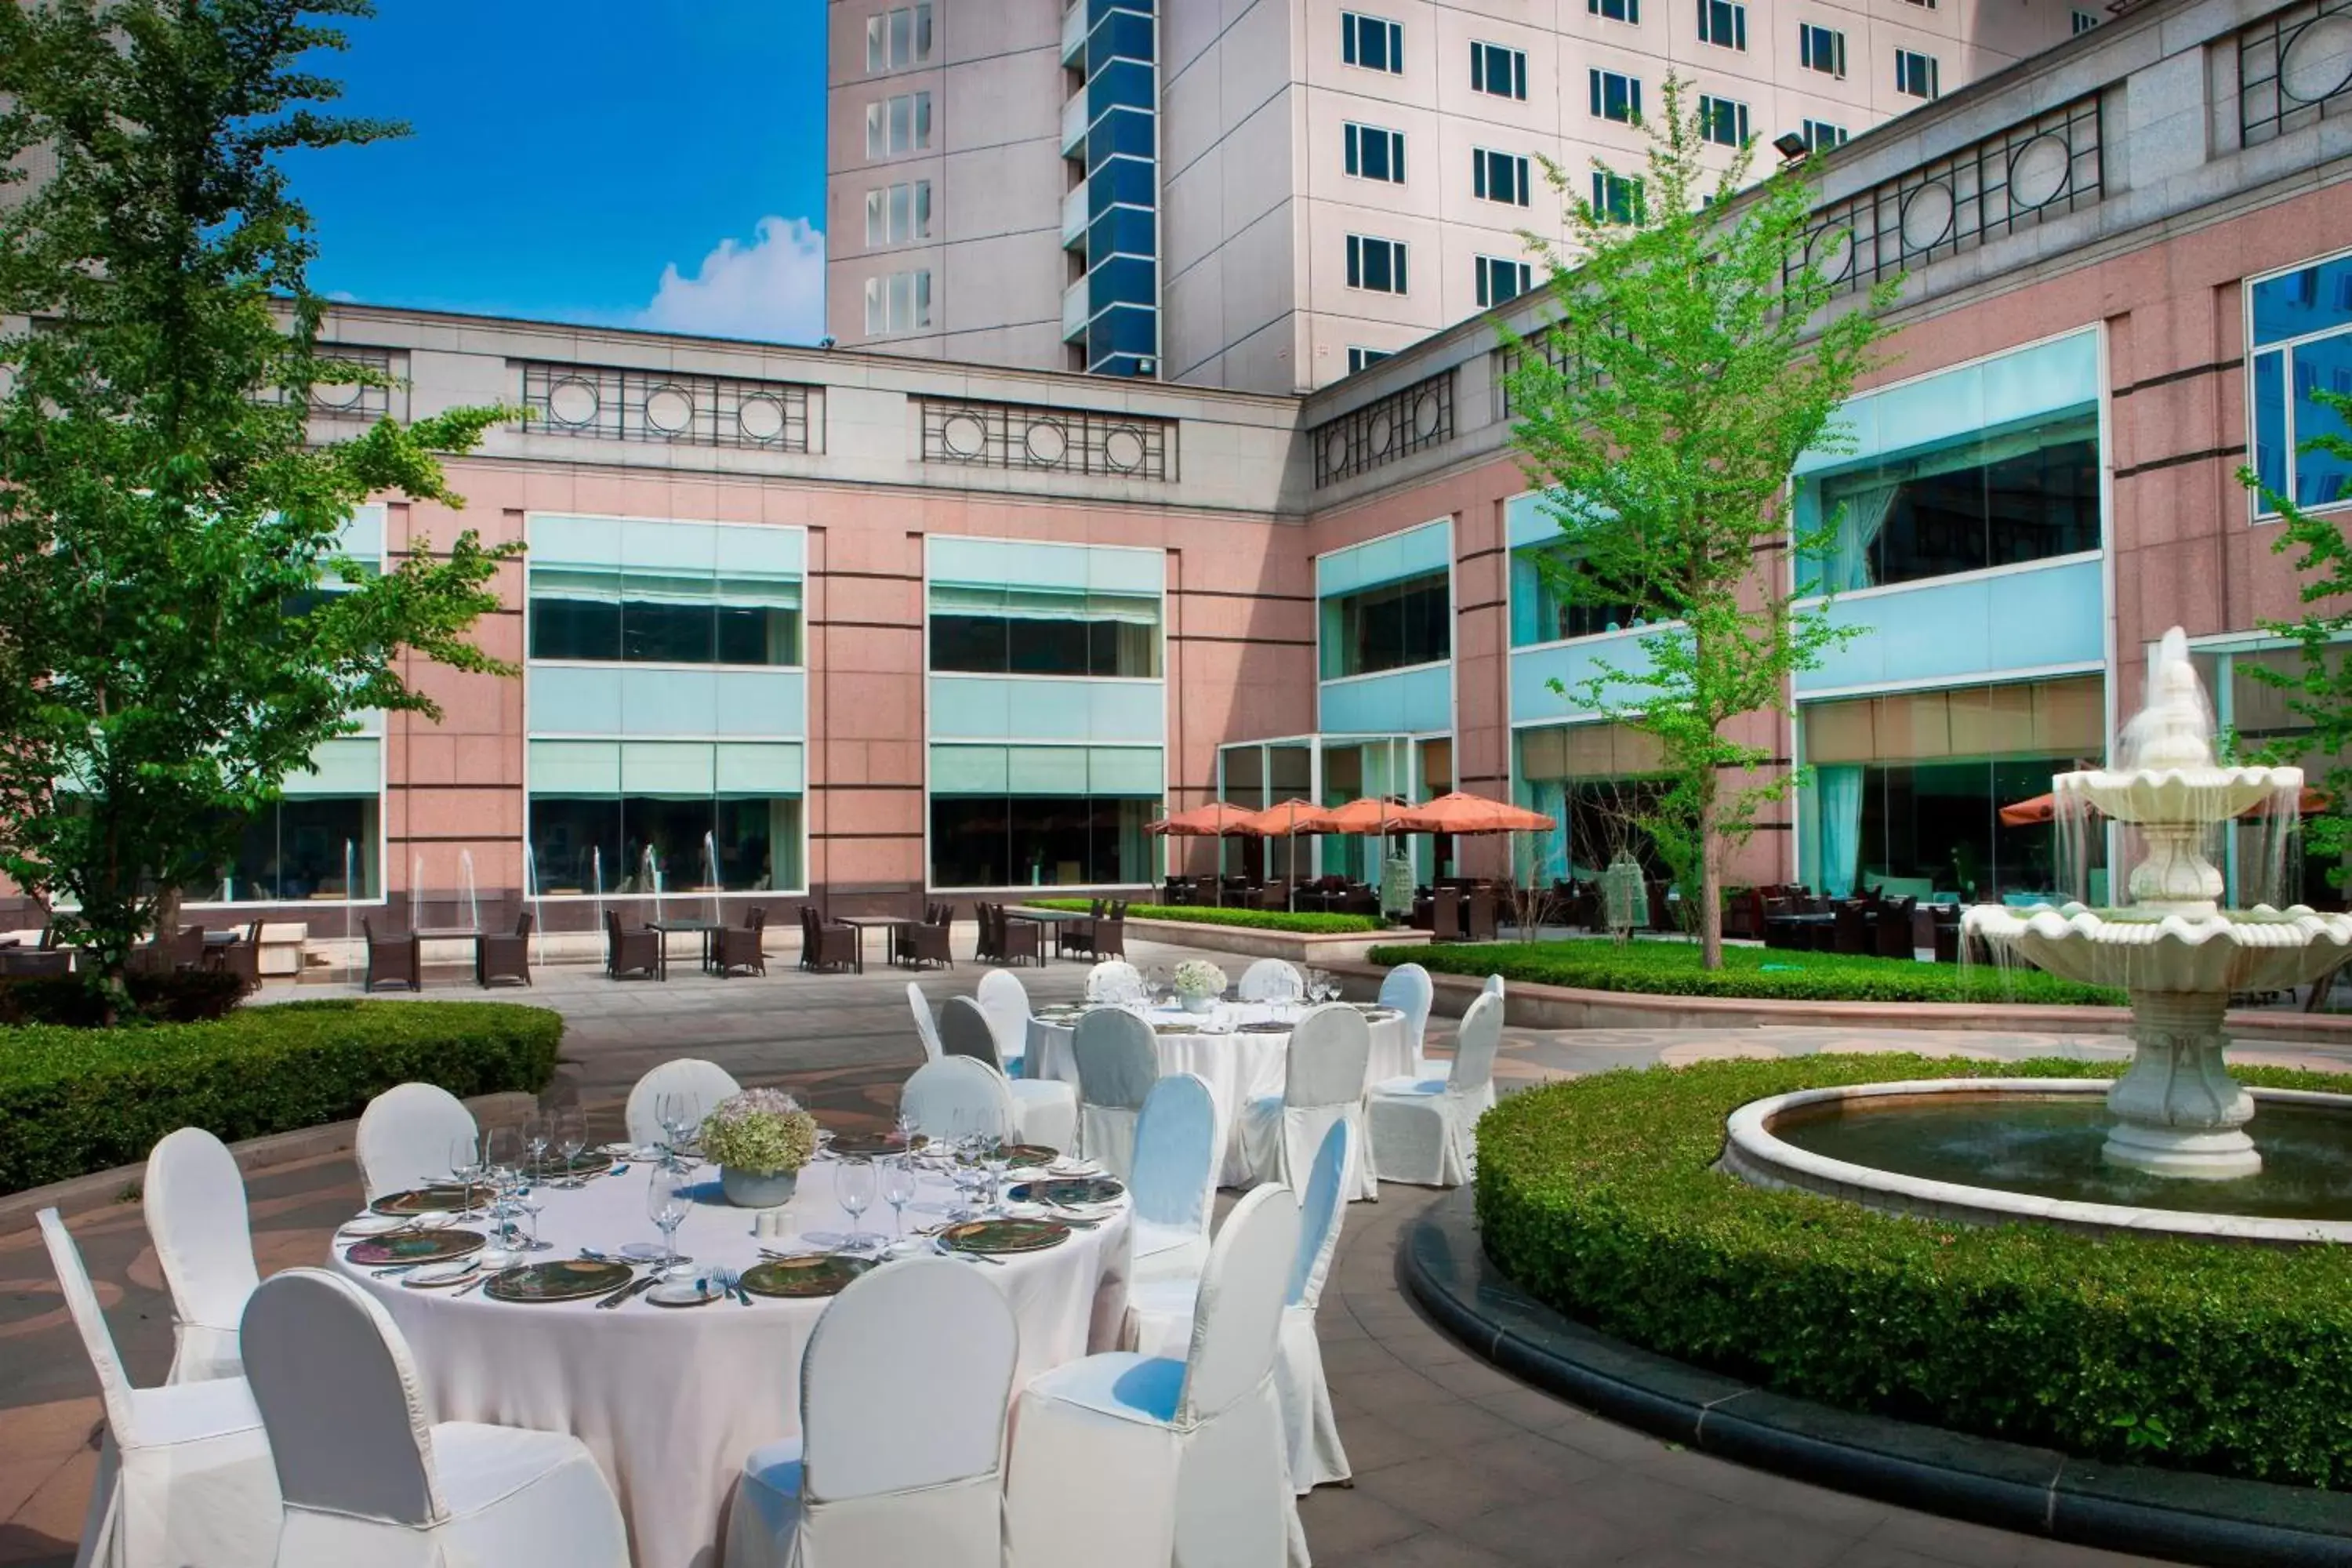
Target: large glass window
[(1008, 841), (304, 847), (1543, 611), (653, 617), (1598, 782), (1001, 630), (1388, 626), (2302, 332), (1992, 500), (592, 844)]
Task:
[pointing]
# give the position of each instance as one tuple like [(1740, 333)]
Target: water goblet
[(536, 1137), (503, 1155), (854, 1185), (668, 1195), (572, 1139), (466, 1161), (904, 1131), (898, 1189), (994, 1159)]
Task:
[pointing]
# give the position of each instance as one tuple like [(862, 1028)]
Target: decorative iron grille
[(1048, 440), (2293, 69), (1404, 422), (352, 400), (664, 405), (2002, 185)]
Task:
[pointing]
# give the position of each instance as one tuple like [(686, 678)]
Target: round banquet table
[(1238, 1067), (671, 1399)]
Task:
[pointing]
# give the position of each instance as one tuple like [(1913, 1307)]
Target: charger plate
[(1067, 1190), (1004, 1236), (811, 1274), (418, 1246), (426, 1200), (559, 1280)]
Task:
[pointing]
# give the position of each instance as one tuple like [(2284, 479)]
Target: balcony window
[(1004, 629), (1393, 626)]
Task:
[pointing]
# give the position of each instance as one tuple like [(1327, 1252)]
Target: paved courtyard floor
[(1456, 1463)]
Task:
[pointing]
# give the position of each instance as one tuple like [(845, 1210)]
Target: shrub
[(1672, 968), (77, 1101), (1600, 1197), (1210, 915), (186, 996)]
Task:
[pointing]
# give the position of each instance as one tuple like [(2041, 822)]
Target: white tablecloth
[(670, 1400), (1238, 1067)]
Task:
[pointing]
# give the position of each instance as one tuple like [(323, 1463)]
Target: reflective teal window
[(2304, 318), (1390, 626)]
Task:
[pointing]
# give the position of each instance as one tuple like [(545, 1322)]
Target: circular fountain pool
[(1989, 1151)]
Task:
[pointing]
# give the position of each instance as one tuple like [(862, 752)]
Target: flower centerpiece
[(760, 1138), (1199, 984)]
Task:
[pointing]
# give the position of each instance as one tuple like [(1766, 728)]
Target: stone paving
[(1456, 1463)]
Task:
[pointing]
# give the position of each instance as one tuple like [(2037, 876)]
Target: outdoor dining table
[(1242, 1050), (870, 922), (670, 1399), (702, 927), (1045, 918)]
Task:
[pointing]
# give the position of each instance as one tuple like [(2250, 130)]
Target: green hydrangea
[(762, 1130)]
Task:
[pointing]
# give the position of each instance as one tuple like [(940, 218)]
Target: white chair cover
[(707, 1082), (183, 1472), (1177, 1148), (1118, 1061), (1272, 980), (1493, 986), (1330, 1053), (1159, 1323), (1408, 990), (1115, 980), (404, 1136), (1006, 1002), (959, 1093), (369, 1482), (194, 1197), (863, 1486), (1143, 1461), (926, 1028), (1047, 1109), (1426, 1131)]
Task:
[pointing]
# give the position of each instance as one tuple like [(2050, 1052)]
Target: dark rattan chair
[(241, 958), (823, 946), (742, 947), (922, 941), (1894, 929), (500, 955), (637, 953), (396, 960), (1018, 940), (1478, 915)]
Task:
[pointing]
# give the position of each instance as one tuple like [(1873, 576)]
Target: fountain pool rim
[(1756, 1154)]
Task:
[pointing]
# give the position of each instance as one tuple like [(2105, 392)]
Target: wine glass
[(853, 1188), (668, 1195), (536, 1137), (503, 1153), (466, 1161), (995, 1157), (904, 1131), (572, 1139), (899, 1190)]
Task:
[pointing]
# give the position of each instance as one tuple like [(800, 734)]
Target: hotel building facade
[(1267, 194), (867, 627)]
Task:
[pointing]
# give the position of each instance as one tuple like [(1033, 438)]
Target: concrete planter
[(1298, 947)]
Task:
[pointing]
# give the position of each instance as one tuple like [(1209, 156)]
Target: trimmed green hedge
[(1210, 915), (1672, 968), (1599, 1197), (77, 1101)]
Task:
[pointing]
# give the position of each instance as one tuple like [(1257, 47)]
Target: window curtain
[(1839, 791), (1550, 798), (1866, 510)]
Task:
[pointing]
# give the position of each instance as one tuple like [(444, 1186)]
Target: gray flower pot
[(758, 1189)]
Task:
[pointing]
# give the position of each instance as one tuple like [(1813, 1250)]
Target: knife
[(632, 1287)]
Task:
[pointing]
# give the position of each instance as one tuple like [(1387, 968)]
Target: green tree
[(2319, 689), (1685, 357), (176, 634)]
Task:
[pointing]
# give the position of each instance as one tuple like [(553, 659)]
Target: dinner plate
[(1030, 1154), (377, 1223), (1067, 1190), (446, 1195), (864, 1145), (810, 1274), (440, 1276), (559, 1280), (1004, 1236), (587, 1163), (1265, 1027), (1175, 1028), (417, 1247)]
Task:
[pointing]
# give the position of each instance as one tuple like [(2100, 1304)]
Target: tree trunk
[(1710, 878)]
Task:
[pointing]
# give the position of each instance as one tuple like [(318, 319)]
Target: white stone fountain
[(2177, 952)]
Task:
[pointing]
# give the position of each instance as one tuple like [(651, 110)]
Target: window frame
[(1482, 60), (1354, 133), (1354, 27), (882, 286), (1709, 106), (1605, 183), (1484, 161), (1913, 58), (881, 204), (2284, 348), (1361, 358), (1809, 130), (1599, 78), (1737, 11), (1485, 267), (881, 44), (1358, 253), (1806, 33), (1629, 12)]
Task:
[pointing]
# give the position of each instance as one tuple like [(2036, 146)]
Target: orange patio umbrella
[(1374, 815), (1286, 820), (2044, 808), (1216, 820), (1466, 814)]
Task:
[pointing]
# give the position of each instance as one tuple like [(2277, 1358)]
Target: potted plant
[(1199, 984), (759, 1138)]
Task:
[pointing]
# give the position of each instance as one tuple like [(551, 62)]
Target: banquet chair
[(1159, 1323), (1005, 1003), (1149, 1461), (195, 1198), (859, 1486), (1115, 980), (1272, 980), (1493, 987), (183, 1470), (927, 1028), (707, 1082), (1118, 1061), (1409, 989), (957, 1094), (1426, 1131), (1174, 1189), (404, 1137), (369, 1477), (1046, 1109), (1330, 1053)]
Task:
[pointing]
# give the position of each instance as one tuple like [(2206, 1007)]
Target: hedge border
[(1298, 924), (1600, 1198), (1649, 970), (74, 1101)]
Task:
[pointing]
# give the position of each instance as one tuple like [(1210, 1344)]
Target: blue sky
[(636, 163)]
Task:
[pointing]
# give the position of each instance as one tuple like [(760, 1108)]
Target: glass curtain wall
[(1542, 613), (1596, 781), (643, 615), (1907, 790), (1040, 841), (2257, 715), (306, 847), (993, 628), (714, 816), (1391, 625)]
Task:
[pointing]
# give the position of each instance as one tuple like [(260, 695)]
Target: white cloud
[(771, 290)]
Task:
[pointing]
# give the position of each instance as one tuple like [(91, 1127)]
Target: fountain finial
[(2174, 729)]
